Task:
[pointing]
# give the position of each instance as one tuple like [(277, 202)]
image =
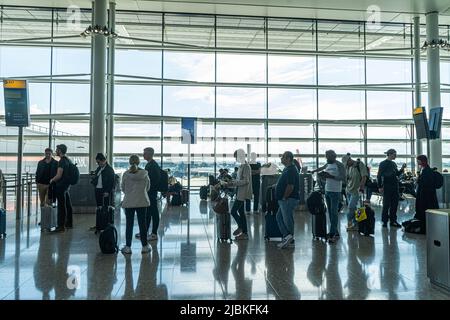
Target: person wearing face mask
[(426, 197), (388, 186)]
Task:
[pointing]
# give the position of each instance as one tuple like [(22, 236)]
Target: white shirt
[(333, 185), (99, 181)]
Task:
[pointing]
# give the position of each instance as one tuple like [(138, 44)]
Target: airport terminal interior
[(196, 81)]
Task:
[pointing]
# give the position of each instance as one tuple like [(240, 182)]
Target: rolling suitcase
[(48, 218), (271, 201), (367, 226), (104, 216), (272, 229), (223, 222), (2, 223), (204, 192), (319, 226), (184, 196)]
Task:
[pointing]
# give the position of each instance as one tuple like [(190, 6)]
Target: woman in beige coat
[(135, 185)]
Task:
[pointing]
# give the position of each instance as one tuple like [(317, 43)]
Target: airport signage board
[(17, 110)]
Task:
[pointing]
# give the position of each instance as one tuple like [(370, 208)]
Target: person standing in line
[(46, 169), (61, 189), (334, 173), (243, 183), (388, 186), (154, 173), (256, 183), (135, 186), (288, 196), (103, 181)]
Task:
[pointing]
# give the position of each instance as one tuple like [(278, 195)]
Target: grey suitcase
[(319, 226), (48, 218), (223, 222)]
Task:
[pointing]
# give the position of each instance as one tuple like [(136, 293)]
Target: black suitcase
[(204, 192), (319, 226), (223, 222), (184, 196), (104, 216), (176, 200), (271, 201), (367, 226), (272, 229)]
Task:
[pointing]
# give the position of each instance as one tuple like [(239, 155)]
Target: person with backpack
[(334, 173), (356, 175), (388, 186), (154, 173), (426, 197), (103, 181), (62, 181), (135, 186), (46, 169)]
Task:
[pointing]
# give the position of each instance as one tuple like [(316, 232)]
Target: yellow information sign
[(418, 110), (14, 84)]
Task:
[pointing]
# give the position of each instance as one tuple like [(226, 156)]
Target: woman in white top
[(135, 185)]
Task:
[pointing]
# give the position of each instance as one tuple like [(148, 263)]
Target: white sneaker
[(126, 250), (145, 249), (283, 244), (152, 237)]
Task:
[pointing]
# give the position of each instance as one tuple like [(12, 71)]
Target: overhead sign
[(420, 120), (17, 110), (188, 130)]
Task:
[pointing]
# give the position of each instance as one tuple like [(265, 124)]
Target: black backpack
[(74, 174), (108, 240), (315, 203), (438, 179), (163, 184)]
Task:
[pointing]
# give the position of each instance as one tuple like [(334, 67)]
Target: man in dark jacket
[(426, 197), (387, 180), (103, 181), (46, 169), (154, 173)]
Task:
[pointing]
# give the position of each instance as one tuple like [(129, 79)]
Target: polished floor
[(188, 263)]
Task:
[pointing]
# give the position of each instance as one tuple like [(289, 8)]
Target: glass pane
[(241, 68), (237, 135), (387, 132), (389, 37), (379, 148), (25, 23), (292, 104), (292, 69), (190, 66), (72, 61), (14, 61), (141, 26), (70, 23), (388, 71), (341, 148), (240, 32), (341, 104), (291, 34), (241, 103), (71, 98), (137, 99), (39, 95), (143, 63), (340, 36), (187, 101), (339, 71), (189, 30), (336, 132), (389, 104), (280, 130)]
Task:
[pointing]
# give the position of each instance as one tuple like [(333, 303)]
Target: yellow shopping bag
[(360, 214)]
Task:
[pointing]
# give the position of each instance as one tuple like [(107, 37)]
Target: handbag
[(221, 207), (360, 213)]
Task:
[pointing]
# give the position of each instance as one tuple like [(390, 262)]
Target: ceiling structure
[(390, 11)]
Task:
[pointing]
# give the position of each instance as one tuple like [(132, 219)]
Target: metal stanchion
[(29, 186), (4, 191), (22, 192)]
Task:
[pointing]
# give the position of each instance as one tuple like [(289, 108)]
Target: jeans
[(141, 214), (43, 193), (332, 205), (352, 204), (152, 212), (64, 206), (241, 219), (255, 185), (99, 199), (390, 203), (285, 216)]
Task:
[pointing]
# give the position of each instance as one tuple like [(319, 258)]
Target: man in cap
[(356, 175), (387, 180)]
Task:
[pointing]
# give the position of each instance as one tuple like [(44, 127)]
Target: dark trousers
[(99, 199), (390, 203), (64, 206), (152, 212), (256, 184), (141, 214), (241, 219)]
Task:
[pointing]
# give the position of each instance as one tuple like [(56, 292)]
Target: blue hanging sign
[(17, 110)]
